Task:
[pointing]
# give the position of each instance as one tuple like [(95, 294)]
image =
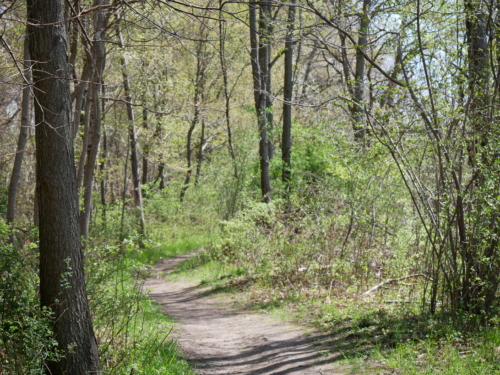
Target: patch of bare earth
[(220, 339)]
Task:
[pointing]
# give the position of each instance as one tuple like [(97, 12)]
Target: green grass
[(366, 335), (154, 253), (133, 333)]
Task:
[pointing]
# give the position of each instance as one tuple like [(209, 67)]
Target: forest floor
[(217, 337)]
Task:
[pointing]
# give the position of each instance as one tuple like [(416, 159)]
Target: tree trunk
[(260, 97), (199, 157), (308, 68), (189, 138), (88, 124), (133, 140), (99, 59), (23, 136), (145, 151), (62, 281), (102, 166), (359, 91), (79, 93), (480, 282), (265, 34), (198, 96), (223, 64), (160, 176), (102, 169), (286, 141)]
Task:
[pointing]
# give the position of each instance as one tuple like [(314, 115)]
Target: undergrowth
[(288, 262), (133, 334)]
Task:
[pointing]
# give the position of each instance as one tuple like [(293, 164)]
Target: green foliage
[(4, 191), (26, 338), (132, 332), (340, 228)]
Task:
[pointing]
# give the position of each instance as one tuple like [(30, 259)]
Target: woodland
[(333, 157)]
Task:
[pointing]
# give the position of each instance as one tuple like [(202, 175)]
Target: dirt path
[(219, 339)]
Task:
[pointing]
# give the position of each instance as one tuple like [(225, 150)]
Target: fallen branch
[(390, 281)]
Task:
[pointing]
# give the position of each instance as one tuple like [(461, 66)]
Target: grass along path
[(220, 339)]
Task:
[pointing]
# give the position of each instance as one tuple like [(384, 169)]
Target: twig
[(388, 281)]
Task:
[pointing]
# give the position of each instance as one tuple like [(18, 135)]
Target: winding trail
[(219, 339)]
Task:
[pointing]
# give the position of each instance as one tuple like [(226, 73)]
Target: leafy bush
[(26, 338)]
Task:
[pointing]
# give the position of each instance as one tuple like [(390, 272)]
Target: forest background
[(337, 154)]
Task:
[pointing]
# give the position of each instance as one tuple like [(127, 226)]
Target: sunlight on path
[(218, 339)]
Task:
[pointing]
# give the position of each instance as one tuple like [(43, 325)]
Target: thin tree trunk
[(145, 151), (359, 91), (88, 118), (124, 193), (102, 169), (254, 52), (265, 34), (102, 166), (308, 68), (223, 64), (160, 176), (133, 140), (198, 96), (259, 74), (286, 141), (187, 180), (200, 153), (161, 163), (99, 60), (23, 136), (62, 280), (79, 93)]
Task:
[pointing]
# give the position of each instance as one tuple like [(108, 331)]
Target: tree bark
[(357, 108), (133, 140), (199, 157), (145, 151), (286, 140), (79, 93), (102, 166), (99, 60), (62, 281), (223, 64), (87, 125), (265, 35), (23, 136), (260, 97), (480, 283)]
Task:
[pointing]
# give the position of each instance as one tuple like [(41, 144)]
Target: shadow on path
[(219, 339)]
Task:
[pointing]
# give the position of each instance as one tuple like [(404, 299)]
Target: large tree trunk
[(286, 141), (62, 281), (260, 97), (23, 136), (133, 141)]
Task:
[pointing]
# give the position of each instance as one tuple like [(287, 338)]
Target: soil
[(218, 338)]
